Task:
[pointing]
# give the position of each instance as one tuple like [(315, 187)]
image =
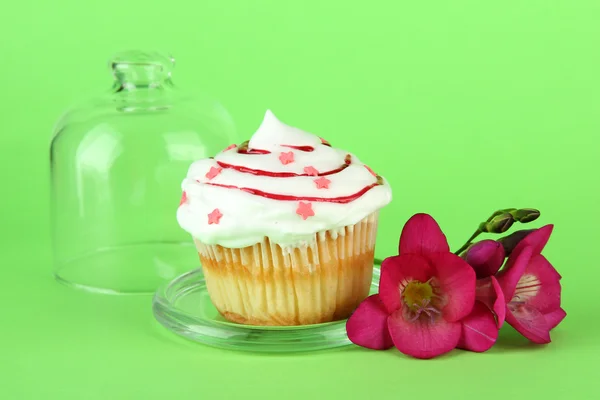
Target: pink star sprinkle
[(322, 183), (305, 210), (214, 171), (311, 171), (183, 198), (286, 158), (231, 146), (371, 171), (214, 217)]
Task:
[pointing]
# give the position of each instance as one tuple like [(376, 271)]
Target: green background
[(464, 106)]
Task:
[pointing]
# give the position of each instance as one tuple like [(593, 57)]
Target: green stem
[(468, 243)]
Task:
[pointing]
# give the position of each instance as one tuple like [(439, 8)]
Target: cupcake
[(285, 227)]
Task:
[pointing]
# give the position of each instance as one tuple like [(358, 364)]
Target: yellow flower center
[(421, 299), (416, 293)]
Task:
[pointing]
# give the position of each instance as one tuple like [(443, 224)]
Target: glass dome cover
[(117, 162)]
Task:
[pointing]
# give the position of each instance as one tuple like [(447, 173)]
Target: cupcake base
[(267, 284)]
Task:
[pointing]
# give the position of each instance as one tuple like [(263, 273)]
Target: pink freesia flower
[(532, 289), (424, 294)]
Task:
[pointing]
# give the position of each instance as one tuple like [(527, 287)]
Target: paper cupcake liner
[(267, 284)]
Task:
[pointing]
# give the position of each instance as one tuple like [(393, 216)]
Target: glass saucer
[(184, 307)]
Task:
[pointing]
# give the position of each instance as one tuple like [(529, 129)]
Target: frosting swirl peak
[(283, 183)]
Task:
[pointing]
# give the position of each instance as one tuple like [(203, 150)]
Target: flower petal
[(396, 272), (515, 267), (422, 235), (539, 286), (555, 317), (536, 239), (479, 329), (490, 293), (423, 339), (457, 284), (529, 322), (367, 326)]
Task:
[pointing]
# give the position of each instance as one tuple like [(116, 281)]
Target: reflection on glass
[(94, 158)]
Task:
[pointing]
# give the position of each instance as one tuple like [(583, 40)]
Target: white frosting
[(247, 218)]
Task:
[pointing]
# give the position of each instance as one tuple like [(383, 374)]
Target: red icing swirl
[(258, 172), (283, 197)]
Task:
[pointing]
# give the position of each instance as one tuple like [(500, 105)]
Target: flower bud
[(511, 241), (525, 215), (499, 224), (485, 257)]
